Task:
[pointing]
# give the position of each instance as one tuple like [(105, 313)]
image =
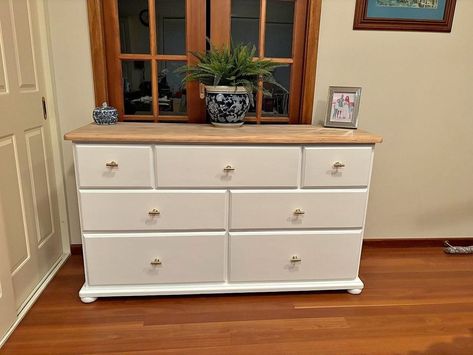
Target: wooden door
[(28, 187)]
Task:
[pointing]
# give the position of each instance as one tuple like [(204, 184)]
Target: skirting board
[(156, 290), (35, 295)]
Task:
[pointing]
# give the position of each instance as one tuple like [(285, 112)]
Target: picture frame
[(343, 106), (404, 15)]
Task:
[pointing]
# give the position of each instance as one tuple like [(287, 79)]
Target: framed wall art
[(404, 15), (343, 105)]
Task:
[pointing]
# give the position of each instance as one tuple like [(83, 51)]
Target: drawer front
[(298, 209), (151, 210), (114, 166), (217, 166), (273, 256), (337, 166), (154, 259)]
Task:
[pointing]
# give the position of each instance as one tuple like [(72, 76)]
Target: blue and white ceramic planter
[(105, 114), (227, 105)]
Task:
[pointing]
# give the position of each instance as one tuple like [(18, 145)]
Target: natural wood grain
[(416, 301), (199, 133), (220, 22)]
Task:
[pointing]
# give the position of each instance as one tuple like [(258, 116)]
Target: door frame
[(99, 55)]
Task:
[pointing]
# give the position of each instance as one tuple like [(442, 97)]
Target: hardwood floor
[(416, 301)]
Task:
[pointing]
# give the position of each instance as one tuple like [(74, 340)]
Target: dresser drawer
[(114, 166), (297, 256), (154, 259), (337, 166), (297, 209), (219, 166), (152, 210)]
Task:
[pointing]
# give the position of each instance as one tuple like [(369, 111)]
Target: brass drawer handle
[(338, 165), (154, 212), (228, 168), (112, 164), (156, 261), (295, 259), (299, 211)]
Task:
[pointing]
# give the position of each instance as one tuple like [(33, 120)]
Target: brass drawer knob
[(112, 164), (154, 212), (295, 259), (228, 168), (338, 165), (156, 261), (299, 211)]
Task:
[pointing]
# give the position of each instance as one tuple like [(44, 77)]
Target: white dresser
[(185, 209)]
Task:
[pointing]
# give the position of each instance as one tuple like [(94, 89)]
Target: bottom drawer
[(294, 256), (120, 259)]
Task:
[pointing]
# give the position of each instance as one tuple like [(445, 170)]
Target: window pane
[(172, 95), (137, 87), (134, 26), (279, 26), (252, 110), (245, 22), (278, 103), (171, 26)]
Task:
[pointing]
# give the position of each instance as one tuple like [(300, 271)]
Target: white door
[(27, 188), (7, 299)]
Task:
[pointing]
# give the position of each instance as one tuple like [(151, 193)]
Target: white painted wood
[(269, 256), (355, 291), (203, 166), (28, 189), (121, 210), (319, 170), (135, 166), (276, 209), (216, 288), (127, 259)]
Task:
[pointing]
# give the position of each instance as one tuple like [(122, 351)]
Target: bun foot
[(88, 299), (354, 291)]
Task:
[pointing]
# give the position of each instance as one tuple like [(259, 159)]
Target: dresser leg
[(354, 291), (88, 299)]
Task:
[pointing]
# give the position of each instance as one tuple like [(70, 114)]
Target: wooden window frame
[(103, 66)]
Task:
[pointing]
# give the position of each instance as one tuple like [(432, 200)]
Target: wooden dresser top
[(132, 132)]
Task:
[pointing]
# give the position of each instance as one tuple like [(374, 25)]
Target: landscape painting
[(404, 15)]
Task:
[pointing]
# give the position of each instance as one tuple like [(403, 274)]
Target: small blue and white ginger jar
[(105, 114), (227, 105)]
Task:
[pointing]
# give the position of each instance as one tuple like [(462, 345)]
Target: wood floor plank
[(416, 301)]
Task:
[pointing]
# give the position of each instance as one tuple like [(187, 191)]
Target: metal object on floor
[(451, 249)]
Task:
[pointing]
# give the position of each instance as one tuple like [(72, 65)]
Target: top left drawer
[(114, 166)]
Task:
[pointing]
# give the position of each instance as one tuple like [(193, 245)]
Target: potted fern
[(230, 76)]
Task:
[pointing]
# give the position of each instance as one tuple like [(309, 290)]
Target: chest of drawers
[(186, 209)]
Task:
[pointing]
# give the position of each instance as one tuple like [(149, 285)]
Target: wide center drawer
[(296, 256), (120, 259), (219, 166), (114, 166), (152, 210), (337, 208)]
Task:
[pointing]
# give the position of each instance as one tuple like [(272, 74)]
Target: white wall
[(72, 70), (417, 93)]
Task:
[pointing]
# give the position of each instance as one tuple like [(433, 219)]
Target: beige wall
[(417, 93), (72, 70)]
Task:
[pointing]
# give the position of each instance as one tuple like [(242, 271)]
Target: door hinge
[(45, 109)]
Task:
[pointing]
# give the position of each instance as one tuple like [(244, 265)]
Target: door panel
[(28, 184)]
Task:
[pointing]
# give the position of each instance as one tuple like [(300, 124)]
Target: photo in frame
[(404, 15), (343, 106)]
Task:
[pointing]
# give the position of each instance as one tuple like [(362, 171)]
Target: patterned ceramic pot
[(227, 105), (105, 114)]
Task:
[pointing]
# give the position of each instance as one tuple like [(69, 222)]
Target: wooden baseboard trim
[(76, 249)]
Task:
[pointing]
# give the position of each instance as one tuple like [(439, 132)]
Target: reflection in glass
[(137, 91), (171, 26), (134, 26), (278, 103), (279, 26), (172, 94), (245, 22)]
